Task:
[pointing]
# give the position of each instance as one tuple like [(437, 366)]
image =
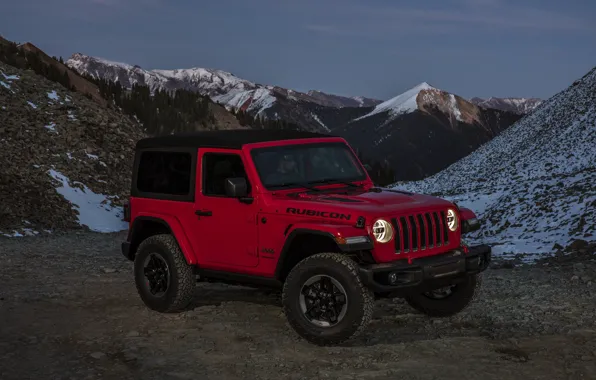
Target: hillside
[(58, 145), (534, 185), (423, 130), (521, 106)]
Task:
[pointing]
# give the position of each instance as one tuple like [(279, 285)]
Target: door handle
[(203, 213)]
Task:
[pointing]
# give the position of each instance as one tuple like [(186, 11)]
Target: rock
[(557, 247), (97, 355), (577, 244), (133, 333), (109, 270), (579, 267)]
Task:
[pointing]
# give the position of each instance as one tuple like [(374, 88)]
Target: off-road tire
[(462, 295), (182, 285), (360, 299)]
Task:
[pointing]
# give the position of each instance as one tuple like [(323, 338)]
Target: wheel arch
[(146, 226), (304, 242)]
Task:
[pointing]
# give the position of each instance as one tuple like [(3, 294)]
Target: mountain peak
[(423, 86), (403, 103)]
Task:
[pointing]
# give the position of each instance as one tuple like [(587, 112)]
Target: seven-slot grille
[(420, 232)]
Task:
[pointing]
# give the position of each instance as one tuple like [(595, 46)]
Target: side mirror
[(236, 187)]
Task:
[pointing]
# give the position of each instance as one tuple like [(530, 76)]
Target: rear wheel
[(163, 278), (324, 300), (447, 301)]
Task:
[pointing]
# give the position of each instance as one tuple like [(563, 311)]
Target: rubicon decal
[(323, 214)]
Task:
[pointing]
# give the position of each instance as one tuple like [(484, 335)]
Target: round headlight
[(382, 231), (452, 220)]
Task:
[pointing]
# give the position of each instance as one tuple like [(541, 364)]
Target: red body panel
[(249, 238)]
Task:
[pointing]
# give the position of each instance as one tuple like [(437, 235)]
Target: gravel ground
[(69, 310)]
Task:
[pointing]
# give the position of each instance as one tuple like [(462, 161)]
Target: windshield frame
[(297, 146)]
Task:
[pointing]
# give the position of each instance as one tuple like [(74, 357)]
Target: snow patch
[(454, 108), (32, 105), (51, 127), (9, 77), (320, 122), (53, 95), (6, 85), (257, 100), (93, 209)]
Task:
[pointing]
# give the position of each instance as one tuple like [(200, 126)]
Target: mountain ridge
[(518, 105)]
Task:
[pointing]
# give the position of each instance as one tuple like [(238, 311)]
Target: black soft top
[(229, 138)]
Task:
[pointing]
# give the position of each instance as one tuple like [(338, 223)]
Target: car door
[(226, 228)]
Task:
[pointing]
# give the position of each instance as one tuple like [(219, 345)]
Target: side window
[(219, 166), (164, 172)]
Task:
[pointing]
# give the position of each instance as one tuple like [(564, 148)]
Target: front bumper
[(425, 273)]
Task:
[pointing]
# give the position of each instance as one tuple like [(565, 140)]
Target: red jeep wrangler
[(296, 211)]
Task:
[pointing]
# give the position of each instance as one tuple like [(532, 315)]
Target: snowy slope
[(534, 185)]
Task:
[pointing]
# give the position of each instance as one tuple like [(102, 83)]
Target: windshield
[(306, 164)]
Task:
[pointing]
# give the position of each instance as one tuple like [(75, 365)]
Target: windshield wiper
[(333, 180)]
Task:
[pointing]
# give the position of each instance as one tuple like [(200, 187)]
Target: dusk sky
[(374, 48)]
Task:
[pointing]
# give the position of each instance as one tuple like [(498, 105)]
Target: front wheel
[(447, 301), (324, 300)]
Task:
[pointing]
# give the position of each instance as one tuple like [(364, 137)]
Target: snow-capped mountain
[(222, 87), (521, 106), (423, 130), (423, 97), (533, 185)]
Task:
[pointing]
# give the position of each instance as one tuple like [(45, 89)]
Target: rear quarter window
[(164, 172)]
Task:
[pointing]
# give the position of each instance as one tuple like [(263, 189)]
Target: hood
[(377, 201)]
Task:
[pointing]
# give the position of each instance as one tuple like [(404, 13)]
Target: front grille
[(419, 232)]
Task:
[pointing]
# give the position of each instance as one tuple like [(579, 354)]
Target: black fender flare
[(129, 248), (344, 248)]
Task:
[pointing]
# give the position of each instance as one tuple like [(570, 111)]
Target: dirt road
[(69, 310)]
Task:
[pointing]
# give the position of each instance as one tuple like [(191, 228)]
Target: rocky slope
[(534, 185), (66, 159), (423, 130), (520, 106)]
